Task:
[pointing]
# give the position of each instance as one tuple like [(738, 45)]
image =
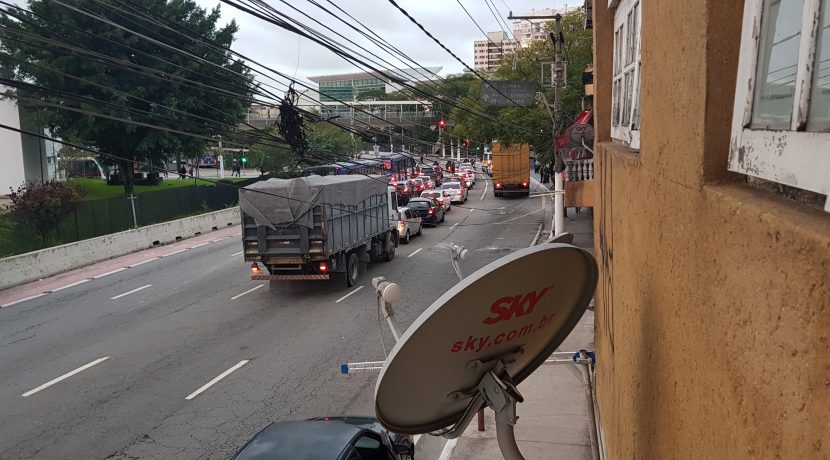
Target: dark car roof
[(300, 440)]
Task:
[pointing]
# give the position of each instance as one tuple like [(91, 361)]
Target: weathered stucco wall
[(713, 306)]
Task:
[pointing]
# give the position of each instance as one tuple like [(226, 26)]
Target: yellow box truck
[(511, 169)]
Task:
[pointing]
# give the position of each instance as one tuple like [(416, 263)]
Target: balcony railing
[(580, 170)]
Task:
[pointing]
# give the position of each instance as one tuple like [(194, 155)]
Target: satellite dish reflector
[(508, 316)]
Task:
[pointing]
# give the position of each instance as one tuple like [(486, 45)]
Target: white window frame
[(792, 157), (625, 102)]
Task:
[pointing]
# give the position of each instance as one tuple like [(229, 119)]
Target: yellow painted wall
[(713, 306)]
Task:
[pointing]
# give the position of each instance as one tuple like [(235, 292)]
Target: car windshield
[(419, 205), (453, 185)]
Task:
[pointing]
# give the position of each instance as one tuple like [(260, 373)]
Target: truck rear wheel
[(389, 252), (352, 270)]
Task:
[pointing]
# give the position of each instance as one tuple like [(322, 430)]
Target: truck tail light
[(524, 184), (255, 270), (498, 185), (324, 267)]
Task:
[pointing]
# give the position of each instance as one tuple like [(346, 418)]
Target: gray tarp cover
[(288, 201)]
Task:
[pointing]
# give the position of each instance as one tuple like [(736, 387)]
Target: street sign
[(508, 93)]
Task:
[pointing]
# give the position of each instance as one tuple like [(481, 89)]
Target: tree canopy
[(126, 80)]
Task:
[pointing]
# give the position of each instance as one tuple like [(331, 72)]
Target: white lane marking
[(70, 285), (22, 300), (218, 378), (518, 217), (142, 262), (446, 453), (200, 245), (247, 292), (220, 239), (236, 253), (485, 191), (175, 252), (416, 251), (64, 376), (109, 273), (453, 226), (347, 295), (472, 209), (130, 292), (536, 238)]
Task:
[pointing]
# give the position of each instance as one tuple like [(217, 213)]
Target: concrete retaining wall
[(35, 265)]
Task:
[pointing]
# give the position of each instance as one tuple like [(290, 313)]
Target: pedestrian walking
[(191, 171), (182, 171), (165, 170)]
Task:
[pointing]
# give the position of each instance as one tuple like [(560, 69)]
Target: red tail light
[(430, 211), (524, 184), (498, 185), (324, 266)]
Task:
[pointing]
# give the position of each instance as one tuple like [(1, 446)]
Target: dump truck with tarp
[(318, 227)]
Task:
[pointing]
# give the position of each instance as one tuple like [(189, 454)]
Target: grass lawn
[(97, 189)]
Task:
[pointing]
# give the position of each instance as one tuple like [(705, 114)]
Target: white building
[(488, 53), (25, 158), (528, 31)]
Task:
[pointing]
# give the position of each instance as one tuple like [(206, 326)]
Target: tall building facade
[(488, 53), (528, 31)]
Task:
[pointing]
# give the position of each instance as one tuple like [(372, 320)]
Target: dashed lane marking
[(247, 292), (236, 253), (218, 377), (64, 377), (175, 252), (347, 295), (131, 292), (416, 251)]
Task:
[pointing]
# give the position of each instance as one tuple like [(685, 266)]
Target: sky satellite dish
[(500, 323)]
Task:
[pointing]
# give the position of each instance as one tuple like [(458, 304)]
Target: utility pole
[(558, 78), (221, 172), (559, 165)]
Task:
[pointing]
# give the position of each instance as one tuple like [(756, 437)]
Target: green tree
[(326, 139), (219, 87), (270, 156)]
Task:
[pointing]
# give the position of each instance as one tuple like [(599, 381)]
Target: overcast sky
[(275, 47)]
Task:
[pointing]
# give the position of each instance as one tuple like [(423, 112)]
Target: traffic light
[(478, 148), (466, 142), (441, 122), (244, 160)]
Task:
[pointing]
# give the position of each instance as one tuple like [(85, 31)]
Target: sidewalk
[(553, 421)]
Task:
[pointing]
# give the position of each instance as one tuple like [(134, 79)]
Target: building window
[(781, 117), (625, 86)]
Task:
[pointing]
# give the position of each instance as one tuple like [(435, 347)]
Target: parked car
[(442, 196), (428, 209), (410, 224), (336, 438), (428, 182), (457, 191)]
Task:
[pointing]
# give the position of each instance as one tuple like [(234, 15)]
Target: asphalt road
[(138, 348)]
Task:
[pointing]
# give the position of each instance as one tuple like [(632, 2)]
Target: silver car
[(442, 196), (458, 192), (409, 225)]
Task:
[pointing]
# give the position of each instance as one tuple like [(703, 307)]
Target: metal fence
[(102, 217)]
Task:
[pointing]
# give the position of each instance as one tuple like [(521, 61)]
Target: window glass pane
[(777, 59), (819, 118)]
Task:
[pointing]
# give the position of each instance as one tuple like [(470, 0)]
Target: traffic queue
[(429, 194)]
